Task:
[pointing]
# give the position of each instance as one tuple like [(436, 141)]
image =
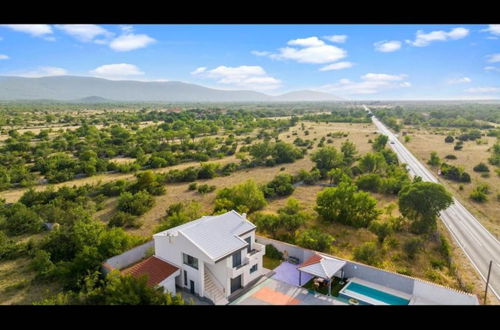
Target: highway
[(477, 242)]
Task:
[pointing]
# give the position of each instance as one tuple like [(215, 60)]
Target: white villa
[(212, 257)]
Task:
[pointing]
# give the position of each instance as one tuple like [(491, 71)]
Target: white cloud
[(460, 80), (85, 32), (127, 42), (4, 57), (35, 30), (371, 83), (260, 53), (491, 68), (306, 42), (245, 76), (483, 90), (337, 66), (307, 50), (493, 58), (43, 71), (199, 70), (493, 29), (117, 71), (424, 39), (340, 38), (387, 46)]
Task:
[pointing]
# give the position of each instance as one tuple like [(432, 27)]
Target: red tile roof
[(312, 260), (157, 269)]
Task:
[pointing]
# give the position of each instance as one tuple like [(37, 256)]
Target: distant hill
[(98, 90)]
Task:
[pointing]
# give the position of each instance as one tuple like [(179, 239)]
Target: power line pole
[(487, 281)]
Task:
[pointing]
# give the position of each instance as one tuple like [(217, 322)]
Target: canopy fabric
[(321, 266)]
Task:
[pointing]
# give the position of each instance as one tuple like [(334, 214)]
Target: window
[(254, 268), (237, 259), (249, 241), (190, 261), (185, 278)]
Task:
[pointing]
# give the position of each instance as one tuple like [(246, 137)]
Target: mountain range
[(98, 90)]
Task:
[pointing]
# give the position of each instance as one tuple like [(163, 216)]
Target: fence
[(128, 258)]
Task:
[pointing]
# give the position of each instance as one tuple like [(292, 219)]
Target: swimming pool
[(359, 291)]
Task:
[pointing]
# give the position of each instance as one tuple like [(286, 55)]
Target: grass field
[(423, 142)]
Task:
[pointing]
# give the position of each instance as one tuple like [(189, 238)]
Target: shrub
[(381, 229), (450, 157), (368, 253), (273, 252), (449, 139), (281, 185), (481, 167), (205, 189), (245, 197), (412, 247), (193, 186), (369, 182), (315, 240), (125, 220), (479, 194), (136, 204)]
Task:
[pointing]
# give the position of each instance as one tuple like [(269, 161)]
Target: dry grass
[(18, 284), (424, 142)]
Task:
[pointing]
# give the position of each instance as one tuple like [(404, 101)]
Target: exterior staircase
[(213, 292)]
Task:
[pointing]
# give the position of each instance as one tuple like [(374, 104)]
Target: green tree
[(373, 163), (326, 159), (380, 142), (349, 151), (346, 205), (136, 204), (434, 160), (245, 197), (421, 202), (368, 253), (381, 229), (315, 239), (281, 185)]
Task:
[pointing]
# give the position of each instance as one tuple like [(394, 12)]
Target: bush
[(315, 240), (369, 182), (481, 167), (205, 189), (136, 204), (245, 197), (368, 253), (281, 185), (381, 229), (449, 139), (412, 247), (273, 252), (193, 186), (125, 220), (450, 157), (479, 194)]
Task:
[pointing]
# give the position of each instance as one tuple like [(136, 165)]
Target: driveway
[(288, 273)]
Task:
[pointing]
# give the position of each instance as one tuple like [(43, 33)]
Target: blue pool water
[(376, 294)]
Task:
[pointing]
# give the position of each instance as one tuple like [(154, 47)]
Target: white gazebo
[(323, 267)]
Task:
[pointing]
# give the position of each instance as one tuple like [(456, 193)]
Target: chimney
[(244, 215)]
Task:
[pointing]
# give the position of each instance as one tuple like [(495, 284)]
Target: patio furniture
[(293, 260)]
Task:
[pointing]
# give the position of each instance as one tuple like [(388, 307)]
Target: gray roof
[(217, 236), (325, 267)]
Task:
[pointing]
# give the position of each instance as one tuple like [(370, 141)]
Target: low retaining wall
[(414, 286), (127, 258)]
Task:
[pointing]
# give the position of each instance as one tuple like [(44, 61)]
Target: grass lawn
[(336, 287), (270, 263)]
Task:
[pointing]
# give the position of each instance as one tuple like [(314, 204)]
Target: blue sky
[(350, 61)]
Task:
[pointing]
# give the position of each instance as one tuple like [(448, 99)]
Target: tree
[(125, 220), (21, 220), (381, 229), (349, 151), (338, 175), (380, 142), (268, 223), (136, 204), (373, 163), (346, 205), (180, 213), (326, 159), (421, 202), (148, 181), (245, 197), (369, 182), (434, 160), (315, 239)]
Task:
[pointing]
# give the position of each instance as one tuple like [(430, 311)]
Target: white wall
[(442, 295), (169, 283), (171, 248)]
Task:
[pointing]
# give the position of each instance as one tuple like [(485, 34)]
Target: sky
[(364, 62)]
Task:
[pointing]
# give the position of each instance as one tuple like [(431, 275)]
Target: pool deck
[(370, 300), (275, 292)]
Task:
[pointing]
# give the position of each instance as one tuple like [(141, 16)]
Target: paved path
[(477, 242)]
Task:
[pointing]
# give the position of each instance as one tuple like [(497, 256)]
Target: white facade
[(219, 245)]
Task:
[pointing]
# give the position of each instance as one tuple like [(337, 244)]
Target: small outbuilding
[(322, 267)]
